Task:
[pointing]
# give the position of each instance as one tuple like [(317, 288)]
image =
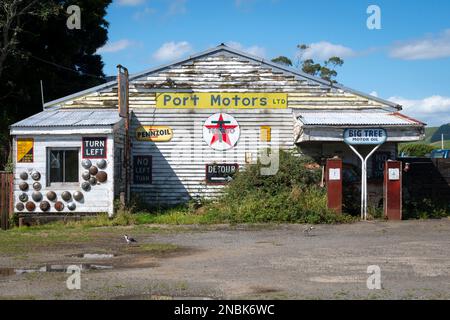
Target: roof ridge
[(223, 47)]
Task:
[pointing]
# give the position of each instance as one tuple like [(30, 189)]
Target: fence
[(6, 198), (427, 179)]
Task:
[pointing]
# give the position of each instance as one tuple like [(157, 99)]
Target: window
[(63, 165)]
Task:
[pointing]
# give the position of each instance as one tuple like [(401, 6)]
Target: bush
[(416, 149), (290, 195), (425, 209)]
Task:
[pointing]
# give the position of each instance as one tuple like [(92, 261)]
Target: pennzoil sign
[(154, 133)]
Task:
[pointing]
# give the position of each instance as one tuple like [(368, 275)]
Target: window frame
[(48, 165)]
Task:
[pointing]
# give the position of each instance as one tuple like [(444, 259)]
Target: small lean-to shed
[(67, 161), (197, 120)]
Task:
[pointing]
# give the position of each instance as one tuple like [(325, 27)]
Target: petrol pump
[(333, 177), (392, 190)]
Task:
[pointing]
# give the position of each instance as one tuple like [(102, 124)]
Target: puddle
[(6, 272), (95, 256)]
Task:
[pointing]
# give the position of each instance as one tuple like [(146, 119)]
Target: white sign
[(221, 131), (334, 174), (365, 135), (394, 173)]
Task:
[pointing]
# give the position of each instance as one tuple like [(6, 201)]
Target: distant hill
[(433, 136), (436, 135)]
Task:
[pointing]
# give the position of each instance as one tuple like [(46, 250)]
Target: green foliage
[(290, 195), (9, 166), (282, 60), (425, 209), (326, 71), (416, 149), (43, 44)]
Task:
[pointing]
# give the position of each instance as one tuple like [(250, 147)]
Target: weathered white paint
[(179, 165)]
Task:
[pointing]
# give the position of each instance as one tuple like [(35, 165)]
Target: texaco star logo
[(221, 131)]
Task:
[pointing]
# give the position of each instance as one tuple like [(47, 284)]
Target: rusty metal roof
[(356, 119), (219, 49), (70, 117)]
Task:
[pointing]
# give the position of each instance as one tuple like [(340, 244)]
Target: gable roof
[(232, 51), (65, 118)]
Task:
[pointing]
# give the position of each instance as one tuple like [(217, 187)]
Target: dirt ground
[(235, 262)]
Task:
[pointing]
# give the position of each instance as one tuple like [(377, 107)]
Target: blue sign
[(365, 135)]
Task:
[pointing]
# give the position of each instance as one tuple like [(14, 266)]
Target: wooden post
[(123, 93), (6, 199)]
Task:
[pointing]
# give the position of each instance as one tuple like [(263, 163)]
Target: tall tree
[(37, 45), (326, 71)]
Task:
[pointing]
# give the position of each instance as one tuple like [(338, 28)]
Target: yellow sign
[(265, 134), (154, 133), (25, 150), (222, 100)]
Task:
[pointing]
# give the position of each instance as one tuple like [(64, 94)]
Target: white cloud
[(130, 2), (374, 93), (429, 47), (433, 110), (323, 50), (144, 13), (177, 7), (253, 50), (115, 46), (172, 50)]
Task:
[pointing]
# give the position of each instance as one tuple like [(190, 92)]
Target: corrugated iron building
[(262, 103)]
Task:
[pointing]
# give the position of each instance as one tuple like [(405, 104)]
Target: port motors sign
[(365, 136), (221, 131), (222, 100)]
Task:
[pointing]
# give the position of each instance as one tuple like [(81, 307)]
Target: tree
[(37, 45), (283, 60), (327, 71)]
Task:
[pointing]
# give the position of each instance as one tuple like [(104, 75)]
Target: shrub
[(425, 209), (416, 149), (290, 195)]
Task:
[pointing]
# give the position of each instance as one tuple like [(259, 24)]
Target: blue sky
[(407, 60)]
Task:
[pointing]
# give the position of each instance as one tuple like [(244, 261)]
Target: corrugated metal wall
[(179, 165)]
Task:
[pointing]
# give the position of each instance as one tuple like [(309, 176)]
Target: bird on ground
[(129, 239), (308, 230)]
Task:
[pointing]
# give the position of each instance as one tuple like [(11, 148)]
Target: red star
[(220, 132)]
